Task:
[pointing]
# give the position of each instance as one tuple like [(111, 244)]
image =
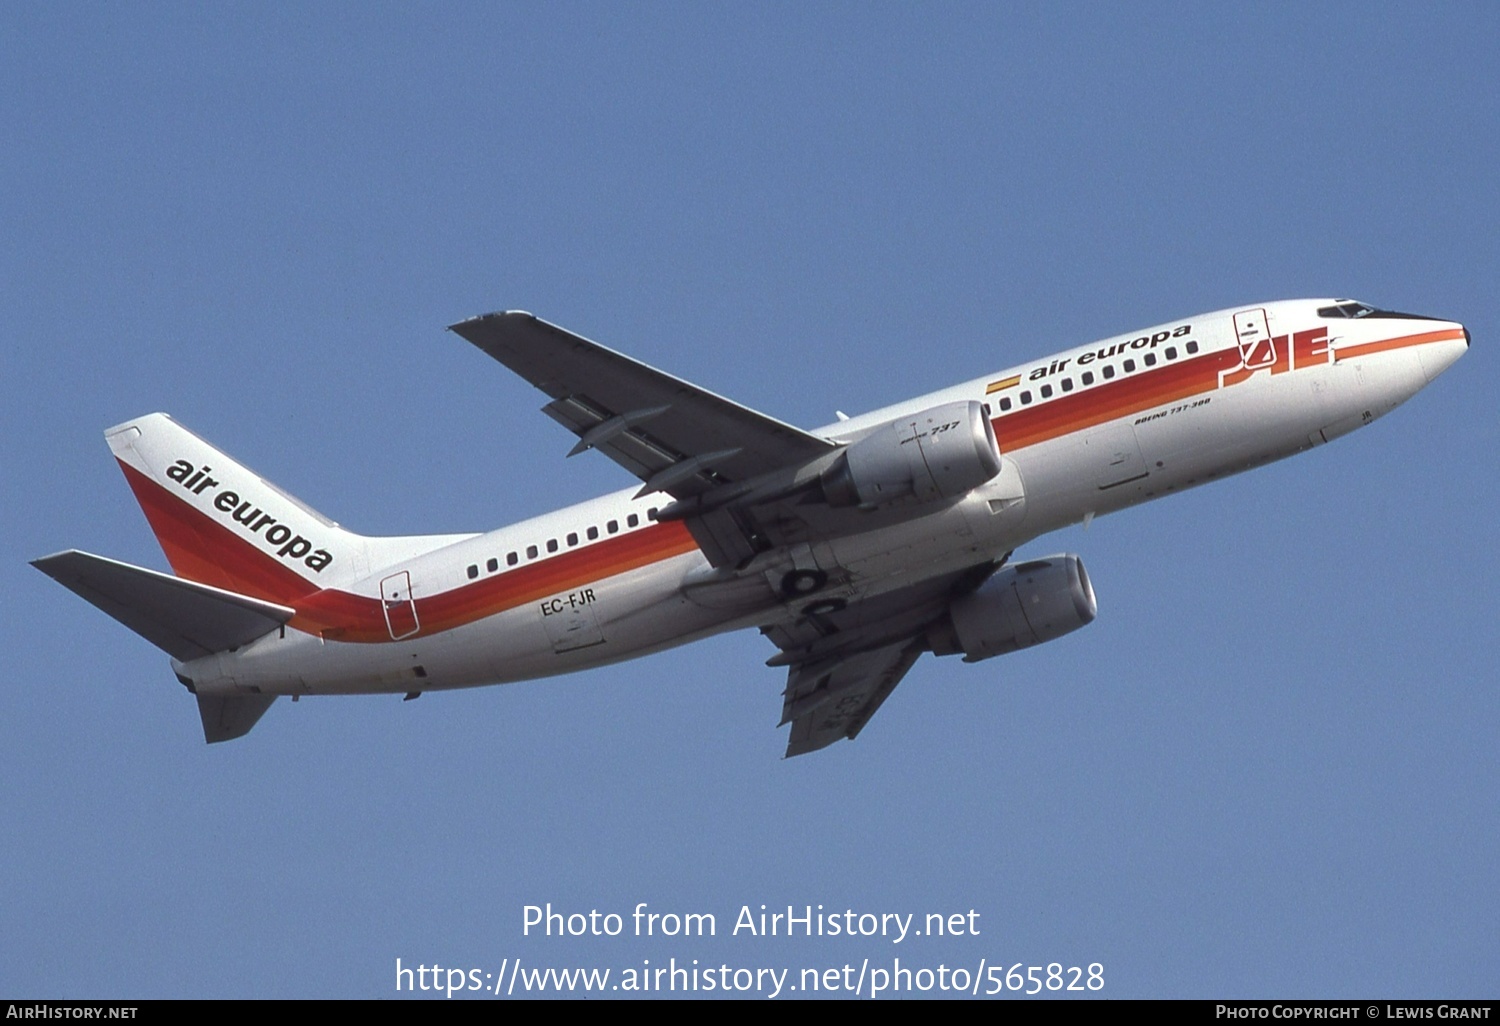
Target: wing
[(729, 468), (743, 483), (833, 699), (676, 437), (846, 662)]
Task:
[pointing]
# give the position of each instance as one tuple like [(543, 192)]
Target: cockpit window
[(1346, 310), (1352, 309)]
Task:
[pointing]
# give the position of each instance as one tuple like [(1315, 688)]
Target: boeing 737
[(854, 548)]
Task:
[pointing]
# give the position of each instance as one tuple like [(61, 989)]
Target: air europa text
[(288, 545), (1104, 352)]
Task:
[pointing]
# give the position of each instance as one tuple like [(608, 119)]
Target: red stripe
[(210, 553)]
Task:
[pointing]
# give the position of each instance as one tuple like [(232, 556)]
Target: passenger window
[(651, 513), (512, 558), (1129, 366), (1005, 403), (531, 552), (593, 533), (551, 544), (1025, 397), (1088, 377), (1109, 371), (1067, 384), (1171, 352), (1150, 359), (572, 538), (632, 520), (1046, 391), (613, 526), (473, 571), (987, 411), (1192, 347), (492, 565)]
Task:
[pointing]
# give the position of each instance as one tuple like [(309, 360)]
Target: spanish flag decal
[(996, 386)]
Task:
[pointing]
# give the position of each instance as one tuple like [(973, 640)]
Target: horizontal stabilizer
[(185, 619), (226, 717)]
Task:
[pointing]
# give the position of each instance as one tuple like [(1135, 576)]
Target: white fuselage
[(1083, 433)]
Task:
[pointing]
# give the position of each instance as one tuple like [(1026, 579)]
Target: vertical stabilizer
[(222, 524)]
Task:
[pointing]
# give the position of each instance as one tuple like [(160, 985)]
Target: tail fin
[(220, 523)]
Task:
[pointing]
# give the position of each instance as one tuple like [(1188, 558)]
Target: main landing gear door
[(400, 608)]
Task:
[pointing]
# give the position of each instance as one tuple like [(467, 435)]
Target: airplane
[(854, 548)]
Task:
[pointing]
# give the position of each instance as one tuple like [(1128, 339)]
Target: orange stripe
[(342, 616), (1097, 404), (1385, 345), (201, 550)]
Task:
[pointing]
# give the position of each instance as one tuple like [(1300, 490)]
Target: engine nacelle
[(941, 453), (1020, 606)]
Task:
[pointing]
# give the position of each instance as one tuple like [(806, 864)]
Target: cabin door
[(400, 608)]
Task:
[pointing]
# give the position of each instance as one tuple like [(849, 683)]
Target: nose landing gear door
[(400, 608)]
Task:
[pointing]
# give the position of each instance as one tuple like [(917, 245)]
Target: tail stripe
[(204, 551)]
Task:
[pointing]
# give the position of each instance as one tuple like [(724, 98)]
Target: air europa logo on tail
[(287, 543)]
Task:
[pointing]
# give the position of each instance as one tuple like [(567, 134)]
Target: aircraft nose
[(1438, 356)]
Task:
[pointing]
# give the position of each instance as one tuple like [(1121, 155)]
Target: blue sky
[(1269, 768)]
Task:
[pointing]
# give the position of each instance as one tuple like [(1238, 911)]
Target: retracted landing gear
[(802, 582)]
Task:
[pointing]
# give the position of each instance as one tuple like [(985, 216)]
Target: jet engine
[(941, 453), (1020, 606)]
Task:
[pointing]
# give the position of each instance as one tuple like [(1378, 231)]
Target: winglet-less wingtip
[(487, 316)]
